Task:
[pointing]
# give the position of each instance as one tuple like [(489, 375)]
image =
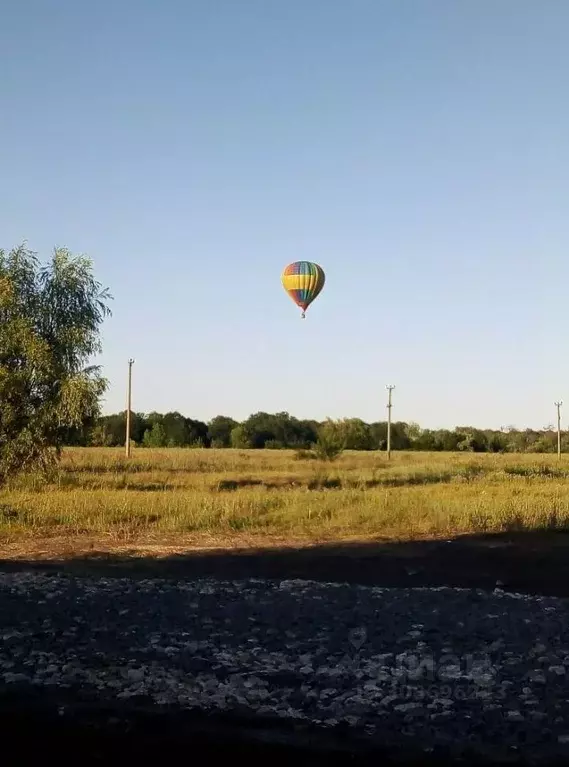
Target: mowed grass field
[(236, 495)]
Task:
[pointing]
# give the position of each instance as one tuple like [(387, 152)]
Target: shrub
[(331, 441)]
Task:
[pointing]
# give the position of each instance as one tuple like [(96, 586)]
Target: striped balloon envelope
[(303, 281)]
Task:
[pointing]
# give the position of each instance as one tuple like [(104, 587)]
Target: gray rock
[(282, 649)]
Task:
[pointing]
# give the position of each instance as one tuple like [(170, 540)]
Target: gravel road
[(427, 667)]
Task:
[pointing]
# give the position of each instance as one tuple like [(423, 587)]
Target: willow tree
[(50, 320)]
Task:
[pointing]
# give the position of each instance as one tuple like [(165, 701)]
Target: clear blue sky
[(417, 149)]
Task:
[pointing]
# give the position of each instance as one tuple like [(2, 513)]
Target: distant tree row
[(281, 430)]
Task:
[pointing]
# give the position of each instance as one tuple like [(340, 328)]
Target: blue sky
[(417, 149)]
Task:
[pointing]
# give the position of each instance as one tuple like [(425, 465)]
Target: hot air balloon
[(303, 281)]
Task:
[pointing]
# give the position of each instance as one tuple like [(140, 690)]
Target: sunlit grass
[(177, 492)]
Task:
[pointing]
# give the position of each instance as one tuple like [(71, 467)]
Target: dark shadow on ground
[(124, 734), (36, 731), (526, 562)]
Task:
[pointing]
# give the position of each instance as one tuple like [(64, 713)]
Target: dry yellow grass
[(226, 495)]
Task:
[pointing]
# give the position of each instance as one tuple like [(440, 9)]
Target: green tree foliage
[(50, 318), (332, 439), (100, 436), (110, 431), (198, 434), (113, 429), (219, 431), (178, 431), (472, 440), (260, 428), (239, 438), (156, 436), (357, 435), (281, 430), (399, 436)]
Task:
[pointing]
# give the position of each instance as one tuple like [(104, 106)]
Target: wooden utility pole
[(128, 406), (389, 406), (558, 406)]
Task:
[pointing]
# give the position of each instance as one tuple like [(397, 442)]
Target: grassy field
[(209, 496)]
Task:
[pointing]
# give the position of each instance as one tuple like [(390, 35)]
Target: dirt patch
[(524, 562)]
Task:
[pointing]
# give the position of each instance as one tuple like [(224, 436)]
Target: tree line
[(282, 430)]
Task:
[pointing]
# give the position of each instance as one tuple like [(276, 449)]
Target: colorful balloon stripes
[(303, 281)]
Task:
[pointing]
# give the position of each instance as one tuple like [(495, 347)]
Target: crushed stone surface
[(430, 666)]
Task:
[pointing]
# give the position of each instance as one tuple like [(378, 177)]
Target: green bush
[(331, 441)]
